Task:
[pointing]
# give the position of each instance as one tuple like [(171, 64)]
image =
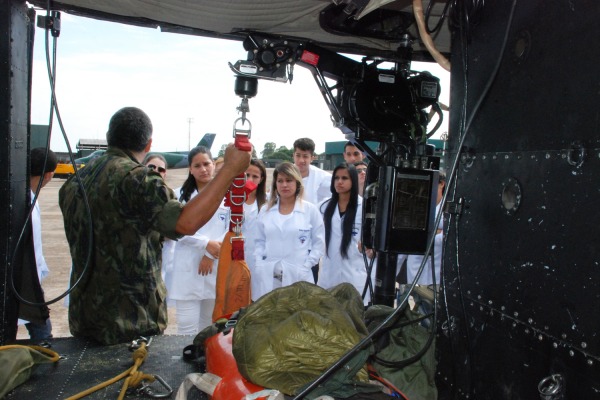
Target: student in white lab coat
[(342, 214), (314, 180), (256, 173), (42, 168), (290, 235), (194, 267)]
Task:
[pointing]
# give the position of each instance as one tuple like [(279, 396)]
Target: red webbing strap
[(237, 249), (235, 199), (242, 142)]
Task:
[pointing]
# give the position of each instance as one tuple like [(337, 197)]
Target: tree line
[(269, 151)]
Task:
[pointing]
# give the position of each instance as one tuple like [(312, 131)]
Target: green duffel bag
[(290, 336), (18, 362), (404, 352)]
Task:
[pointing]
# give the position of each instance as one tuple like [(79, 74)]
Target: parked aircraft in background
[(175, 159), (64, 170)]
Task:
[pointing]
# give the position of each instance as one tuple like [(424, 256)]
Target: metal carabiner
[(242, 131), (237, 230), (552, 387), (146, 390), (137, 343)]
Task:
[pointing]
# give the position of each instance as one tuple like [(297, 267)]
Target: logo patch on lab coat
[(304, 234), (355, 229), (222, 216)]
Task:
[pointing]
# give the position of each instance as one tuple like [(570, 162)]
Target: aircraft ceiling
[(374, 29)]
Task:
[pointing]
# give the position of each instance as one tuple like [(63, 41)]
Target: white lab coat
[(168, 252), (413, 262), (185, 283), (40, 261), (317, 185), (36, 226), (249, 231), (334, 268), (297, 241)]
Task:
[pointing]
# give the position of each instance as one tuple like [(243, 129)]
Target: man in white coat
[(40, 175), (315, 181)]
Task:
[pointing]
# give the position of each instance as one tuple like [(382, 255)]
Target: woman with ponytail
[(195, 259)]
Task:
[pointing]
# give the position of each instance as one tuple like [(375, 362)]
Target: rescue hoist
[(233, 274)]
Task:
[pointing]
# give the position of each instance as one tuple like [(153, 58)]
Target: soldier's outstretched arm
[(201, 208)]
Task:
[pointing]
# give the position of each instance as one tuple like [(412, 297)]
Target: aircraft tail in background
[(175, 159), (180, 159), (207, 140)]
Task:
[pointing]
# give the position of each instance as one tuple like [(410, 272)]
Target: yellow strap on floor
[(18, 362), (54, 356), (132, 375)]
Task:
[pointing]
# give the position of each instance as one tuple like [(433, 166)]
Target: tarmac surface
[(58, 258)]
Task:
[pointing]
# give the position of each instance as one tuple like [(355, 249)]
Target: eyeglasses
[(153, 167), (361, 170)]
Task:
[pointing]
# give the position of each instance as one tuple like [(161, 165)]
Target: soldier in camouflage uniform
[(116, 242)]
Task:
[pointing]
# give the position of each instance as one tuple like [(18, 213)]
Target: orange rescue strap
[(233, 274)]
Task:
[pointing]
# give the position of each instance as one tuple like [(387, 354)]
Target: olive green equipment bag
[(290, 336), (18, 362), (404, 352)]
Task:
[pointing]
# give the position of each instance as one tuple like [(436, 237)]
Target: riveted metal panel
[(521, 265), (15, 78)]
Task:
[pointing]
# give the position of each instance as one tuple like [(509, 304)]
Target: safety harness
[(233, 274)]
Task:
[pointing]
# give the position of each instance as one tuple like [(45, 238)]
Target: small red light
[(310, 58)]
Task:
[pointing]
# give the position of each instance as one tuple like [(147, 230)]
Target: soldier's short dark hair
[(36, 161), (305, 144), (129, 129)]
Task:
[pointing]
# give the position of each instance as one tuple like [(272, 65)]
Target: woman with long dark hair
[(192, 285), (290, 237), (342, 216), (256, 173)]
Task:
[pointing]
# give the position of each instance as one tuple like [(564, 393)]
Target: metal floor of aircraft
[(86, 364)]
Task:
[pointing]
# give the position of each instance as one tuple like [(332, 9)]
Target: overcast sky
[(103, 66)]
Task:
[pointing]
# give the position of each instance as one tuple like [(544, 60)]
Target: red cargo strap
[(235, 199)]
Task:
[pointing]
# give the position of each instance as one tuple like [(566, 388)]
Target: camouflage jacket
[(121, 294)]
